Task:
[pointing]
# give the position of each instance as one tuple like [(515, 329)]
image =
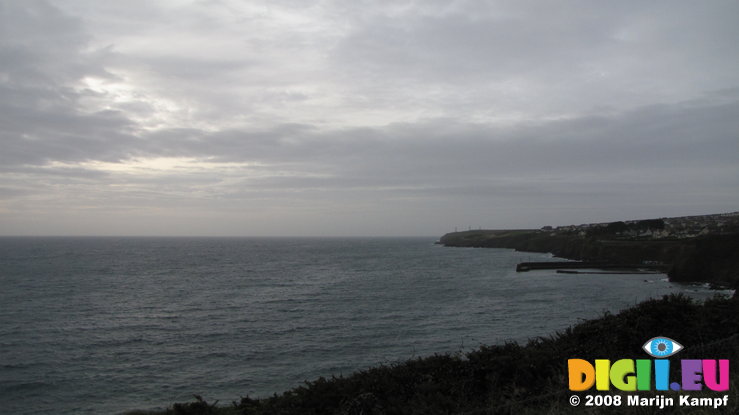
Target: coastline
[(532, 378), (508, 378), (710, 258)]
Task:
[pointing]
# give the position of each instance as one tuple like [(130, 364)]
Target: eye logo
[(660, 347)]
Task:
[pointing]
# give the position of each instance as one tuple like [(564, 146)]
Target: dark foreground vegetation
[(513, 378)]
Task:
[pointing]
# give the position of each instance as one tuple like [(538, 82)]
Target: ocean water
[(105, 325)]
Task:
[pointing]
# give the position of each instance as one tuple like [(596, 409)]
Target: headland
[(690, 248)]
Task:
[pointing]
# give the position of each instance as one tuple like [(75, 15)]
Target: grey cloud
[(545, 57), (567, 111), (47, 135), (468, 48), (43, 49), (658, 142), (41, 55), (10, 192), (193, 69)]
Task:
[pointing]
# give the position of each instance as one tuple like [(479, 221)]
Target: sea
[(108, 325)]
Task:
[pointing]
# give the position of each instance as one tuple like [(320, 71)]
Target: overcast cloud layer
[(363, 117)]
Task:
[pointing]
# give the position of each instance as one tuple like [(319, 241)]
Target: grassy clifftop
[(509, 378)]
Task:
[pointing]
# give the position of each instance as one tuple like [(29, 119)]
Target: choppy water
[(103, 325)]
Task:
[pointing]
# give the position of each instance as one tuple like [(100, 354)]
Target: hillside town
[(664, 228)]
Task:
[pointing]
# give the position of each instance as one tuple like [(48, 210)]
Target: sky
[(365, 118)]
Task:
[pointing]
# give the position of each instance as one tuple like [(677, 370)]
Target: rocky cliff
[(705, 258)]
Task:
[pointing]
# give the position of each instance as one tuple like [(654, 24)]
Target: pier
[(611, 267)]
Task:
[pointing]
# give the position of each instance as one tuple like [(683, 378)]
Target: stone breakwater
[(706, 258)]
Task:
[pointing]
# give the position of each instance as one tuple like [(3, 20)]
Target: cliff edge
[(700, 249)]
